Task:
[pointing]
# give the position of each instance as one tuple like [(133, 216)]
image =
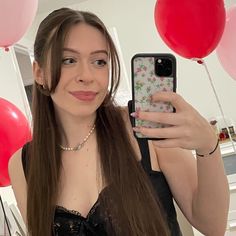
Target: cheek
[(104, 82), (59, 92)]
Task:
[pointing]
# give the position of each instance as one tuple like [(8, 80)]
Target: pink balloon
[(16, 16), (226, 50), (14, 133)]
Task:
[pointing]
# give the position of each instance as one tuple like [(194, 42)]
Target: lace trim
[(74, 212), (91, 211), (77, 213)]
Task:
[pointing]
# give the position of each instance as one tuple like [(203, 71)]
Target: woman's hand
[(188, 130)]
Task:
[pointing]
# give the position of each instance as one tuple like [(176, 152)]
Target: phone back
[(152, 73)]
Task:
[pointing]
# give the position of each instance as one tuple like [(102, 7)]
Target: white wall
[(134, 22)]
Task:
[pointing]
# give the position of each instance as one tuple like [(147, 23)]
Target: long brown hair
[(136, 205)]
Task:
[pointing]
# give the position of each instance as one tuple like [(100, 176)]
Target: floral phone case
[(148, 77)]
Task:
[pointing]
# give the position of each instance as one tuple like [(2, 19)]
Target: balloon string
[(218, 102)]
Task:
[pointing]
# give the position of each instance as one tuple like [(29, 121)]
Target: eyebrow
[(94, 52)]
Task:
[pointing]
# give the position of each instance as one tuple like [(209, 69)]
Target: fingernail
[(133, 114)]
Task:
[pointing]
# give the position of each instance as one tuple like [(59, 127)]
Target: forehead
[(85, 37)]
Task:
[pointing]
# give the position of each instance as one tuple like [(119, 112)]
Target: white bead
[(79, 146)]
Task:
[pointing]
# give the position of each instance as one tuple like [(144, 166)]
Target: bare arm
[(211, 200), (18, 182), (199, 186)]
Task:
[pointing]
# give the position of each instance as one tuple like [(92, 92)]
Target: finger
[(168, 132), (175, 99), (159, 117)]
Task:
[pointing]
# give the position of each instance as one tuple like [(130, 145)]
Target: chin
[(80, 109), (83, 111)]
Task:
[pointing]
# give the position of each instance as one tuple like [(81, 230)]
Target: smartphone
[(151, 72)]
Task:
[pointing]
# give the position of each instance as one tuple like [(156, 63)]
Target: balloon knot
[(200, 62), (6, 49)]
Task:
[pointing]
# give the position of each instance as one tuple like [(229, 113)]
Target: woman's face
[(84, 72)]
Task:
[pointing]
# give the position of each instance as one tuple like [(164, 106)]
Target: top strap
[(143, 145), (24, 158)]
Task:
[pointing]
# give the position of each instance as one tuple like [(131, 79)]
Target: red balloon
[(14, 133), (190, 28)]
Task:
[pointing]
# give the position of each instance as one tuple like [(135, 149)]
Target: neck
[(73, 130)]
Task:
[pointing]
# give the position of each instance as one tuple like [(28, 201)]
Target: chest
[(81, 178)]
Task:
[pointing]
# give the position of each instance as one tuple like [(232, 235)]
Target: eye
[(100, 63), (68, 61)]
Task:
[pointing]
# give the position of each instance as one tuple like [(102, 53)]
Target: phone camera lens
[(163, 67)]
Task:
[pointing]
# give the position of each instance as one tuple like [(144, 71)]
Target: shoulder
[(15, 163), (18, 182), (176, 161), (177, 156), (15, 166)]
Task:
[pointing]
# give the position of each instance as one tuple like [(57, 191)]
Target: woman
[(84, 173)]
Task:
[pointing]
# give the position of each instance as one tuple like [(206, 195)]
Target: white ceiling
[(48, 5)]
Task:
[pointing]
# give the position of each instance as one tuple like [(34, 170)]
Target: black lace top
[(72, 223), (96, 223)]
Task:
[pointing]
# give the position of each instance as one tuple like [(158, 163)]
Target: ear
[(38, 73)]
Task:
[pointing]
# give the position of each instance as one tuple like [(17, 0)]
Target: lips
[(84, 95)]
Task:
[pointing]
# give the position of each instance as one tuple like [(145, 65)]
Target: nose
[(85, 74)]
